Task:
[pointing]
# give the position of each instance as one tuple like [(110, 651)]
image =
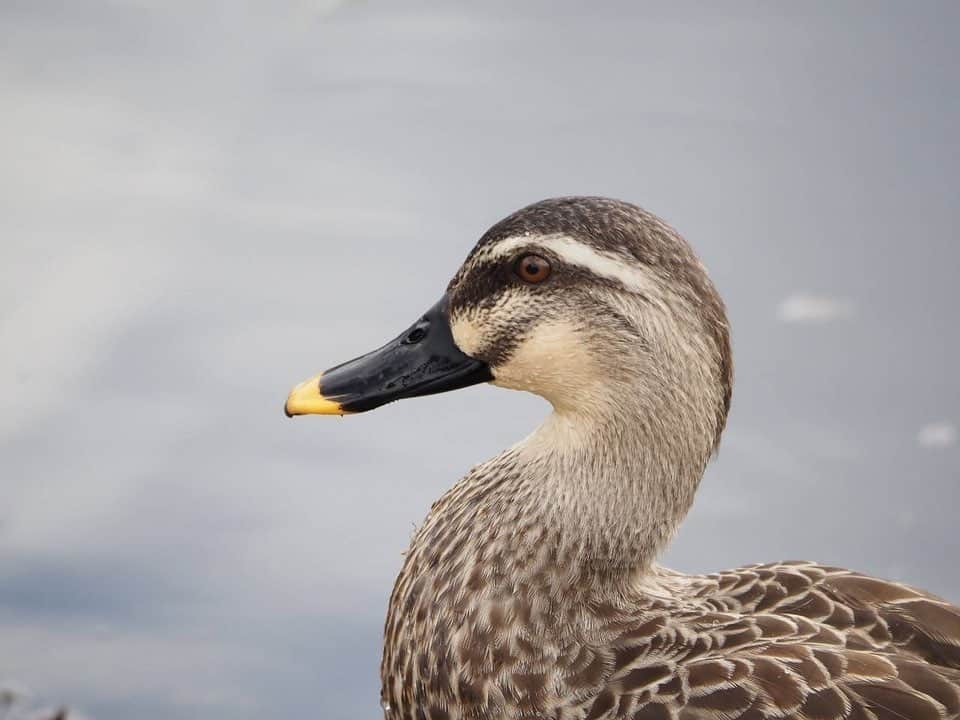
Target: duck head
[(592, 303)]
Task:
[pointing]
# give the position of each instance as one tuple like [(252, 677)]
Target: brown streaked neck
[(618, 483), (587, 501)]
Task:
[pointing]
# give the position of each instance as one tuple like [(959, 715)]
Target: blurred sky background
[(203, 203)]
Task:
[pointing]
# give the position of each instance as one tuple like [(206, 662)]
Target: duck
[(532, 589)]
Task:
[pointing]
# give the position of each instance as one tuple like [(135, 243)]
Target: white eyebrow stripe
[(574, 252)]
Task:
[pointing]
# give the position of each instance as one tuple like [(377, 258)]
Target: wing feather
[(792, 641)]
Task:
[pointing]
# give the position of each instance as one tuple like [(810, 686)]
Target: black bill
[(421, 361)]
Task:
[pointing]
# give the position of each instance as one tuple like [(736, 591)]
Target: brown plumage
[(789, 640), (531, 590)]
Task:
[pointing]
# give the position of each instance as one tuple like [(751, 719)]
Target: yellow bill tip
[(306, 399)]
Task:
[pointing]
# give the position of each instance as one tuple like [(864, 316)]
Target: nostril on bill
[(415, 336)]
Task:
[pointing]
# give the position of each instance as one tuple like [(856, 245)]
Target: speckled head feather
[(531, 591), (610, 254)]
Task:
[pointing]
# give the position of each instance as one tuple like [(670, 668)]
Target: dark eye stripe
[(480, 284)]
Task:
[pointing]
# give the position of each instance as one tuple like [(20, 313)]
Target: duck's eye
[(532, 268)]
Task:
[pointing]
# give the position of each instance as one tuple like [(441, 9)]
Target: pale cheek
[(468, 335), (552, 362)]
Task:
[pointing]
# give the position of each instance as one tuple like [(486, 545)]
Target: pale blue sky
[(203, 203)]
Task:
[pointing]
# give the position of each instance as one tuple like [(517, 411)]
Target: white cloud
[(802, 307), (937, 435)]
